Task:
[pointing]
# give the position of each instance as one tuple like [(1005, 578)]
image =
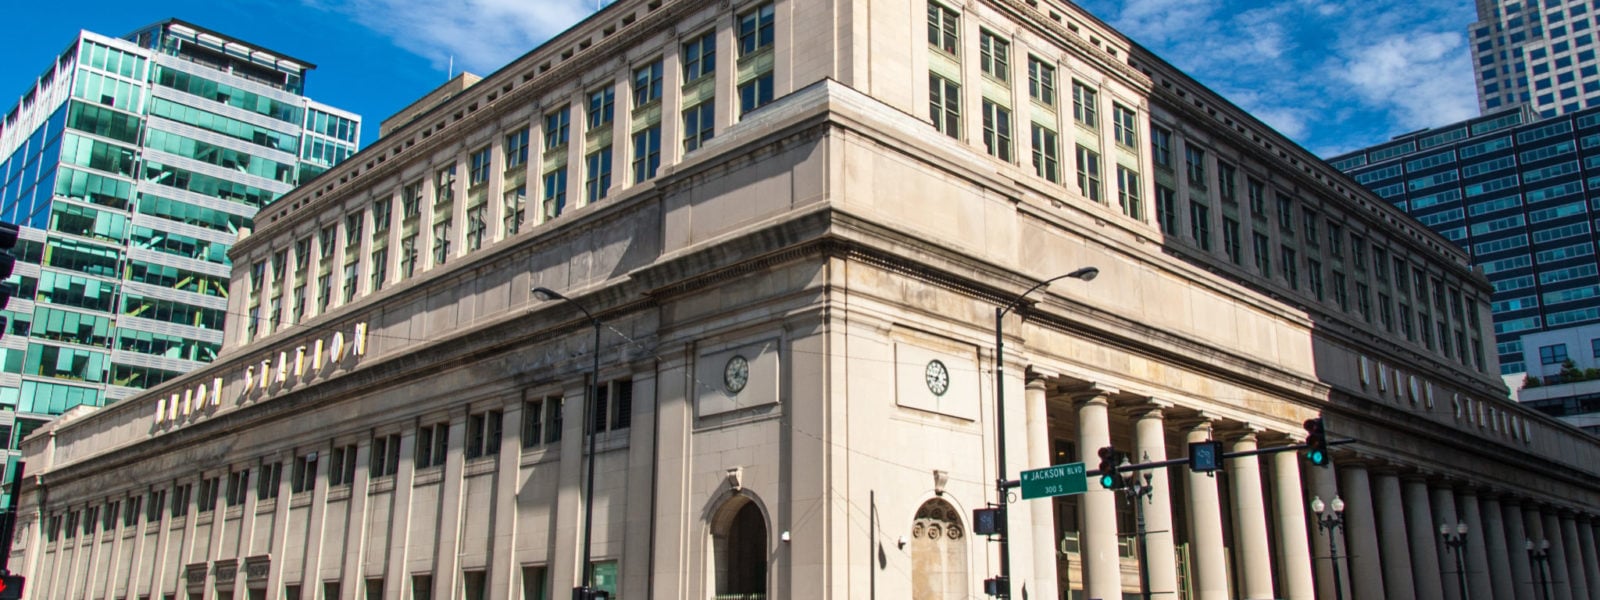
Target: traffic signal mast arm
[(1160, 464)]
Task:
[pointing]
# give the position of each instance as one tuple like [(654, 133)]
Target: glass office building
[(1541, 54), (1521, 195), (133, 164)]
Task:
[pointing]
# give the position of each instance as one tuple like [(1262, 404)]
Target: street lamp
[(1003, 586), (587, 590), (1540, 555), (1330, 518), (1456, 539)]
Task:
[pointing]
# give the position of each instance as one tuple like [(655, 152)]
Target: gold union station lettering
[(275, 369)]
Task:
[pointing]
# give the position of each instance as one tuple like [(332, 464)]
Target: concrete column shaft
[(1207, 549), (1591, 561), (1102, 572), (1424, 545), (1150, 441), (1252, 550), (1559, 579), (1294, 546), (1522, 576), (1444, 511), (1575, 569), (1391, 518), (1498, 553), (1361, 530), (1043, 547), (1477, 550)]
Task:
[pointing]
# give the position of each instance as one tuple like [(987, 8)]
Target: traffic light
[(8, 240), (1316, 442), (11, 587), (1110, 461)]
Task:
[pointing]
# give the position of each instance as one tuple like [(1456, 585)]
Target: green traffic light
[(1317, 457), (1108, 481)]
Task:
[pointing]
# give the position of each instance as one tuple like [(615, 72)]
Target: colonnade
[(1270, 545)]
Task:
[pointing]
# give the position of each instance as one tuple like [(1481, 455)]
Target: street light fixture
[(586, 591), (1540, 555), (1003, 583), (1456, 539), (1330, 518)]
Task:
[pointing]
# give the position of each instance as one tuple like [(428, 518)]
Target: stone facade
[(796, 344)]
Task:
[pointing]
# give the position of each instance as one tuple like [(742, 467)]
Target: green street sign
[(1060, 480)]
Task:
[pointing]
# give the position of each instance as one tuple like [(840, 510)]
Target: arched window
[(938, 553), (739, 541)]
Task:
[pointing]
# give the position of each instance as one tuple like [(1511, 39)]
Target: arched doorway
[(938, 553), (739, 544)]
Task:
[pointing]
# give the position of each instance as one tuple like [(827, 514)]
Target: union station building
[(793, 221)]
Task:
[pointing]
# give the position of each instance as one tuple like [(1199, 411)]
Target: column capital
[(1238, 431), (1091, 393), (1143, 406), (1196, 420)]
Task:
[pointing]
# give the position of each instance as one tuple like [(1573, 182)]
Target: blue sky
[(1334, 75)]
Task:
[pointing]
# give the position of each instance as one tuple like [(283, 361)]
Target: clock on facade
[(938, 377), (736, 374)]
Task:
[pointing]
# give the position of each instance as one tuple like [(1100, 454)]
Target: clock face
[(736, 374), (938, 378)]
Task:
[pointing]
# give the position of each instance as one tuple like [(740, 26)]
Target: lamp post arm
[(1015, 302)]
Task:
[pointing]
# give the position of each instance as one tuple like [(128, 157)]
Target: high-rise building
[(1518, 194), (1540, 54), (750, 264), (133, 164)]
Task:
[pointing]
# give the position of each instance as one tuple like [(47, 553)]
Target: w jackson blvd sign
[(304, 363), (1060, 480)]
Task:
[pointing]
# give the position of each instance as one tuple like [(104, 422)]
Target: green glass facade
[(133, 163)]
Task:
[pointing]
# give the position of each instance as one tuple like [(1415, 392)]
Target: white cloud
[(1423, 79), (480, 35)]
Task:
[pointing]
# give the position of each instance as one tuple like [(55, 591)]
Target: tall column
[(1044, 553), (1102, 571), (1361, 531), (1498, 554), (1477, 550), (1424, 543), (1294, 546), (1575, 570), (1591, 561), (1251, 550), (1150, 442), (1392, 535), (1205, 526), (1517, 536), (1549, 529), (1444, 512)]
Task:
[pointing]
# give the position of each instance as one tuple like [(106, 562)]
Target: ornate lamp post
[(587, 590), (1330, 518), (1004, 583), (1540, 555), (1456, 539)]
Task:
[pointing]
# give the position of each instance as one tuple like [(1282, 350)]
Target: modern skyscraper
[(1541, 56), (1515, 193), (133, 164)]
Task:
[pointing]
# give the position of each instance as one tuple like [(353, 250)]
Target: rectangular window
[(441, 242), (1257, 192), (1161, 146), (304, 476), (1231, 243), (602, 107), (613, 407), (557, 128), (342, 466), (1195, 160), (994, 55), (1089, 173), (555, 193), (180, 499), (478, 167), (1200, 224), (1405, 322), (267, 481), (477, 226), (537, 426), (944, 105), (483, 433), (1225, 182), (444, 186), (1291, 268), (380, 216), (1046, 154), (646, 153), (514, 209), (352, 276), (597, 171), (997, 130), (1041, 81), (755, 93), (647, 84), (700, 57), (1262, 248), (755, 30), (1285, 215), (698, 121), (1363, 302), (1085, 105), (238, 482), (385, 458), (380, 268), (1314, 278), (516, 148), (411, 200), (1125, 125), (1167, 209), (1385, 312), (1309, 217), (1553, 355), (943, 25), (433, 441), (1128, 193)]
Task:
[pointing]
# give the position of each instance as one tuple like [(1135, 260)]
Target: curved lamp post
[(1540, 555), (1456, 539), (1085, 274), (1330, 518), (587, 590)]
